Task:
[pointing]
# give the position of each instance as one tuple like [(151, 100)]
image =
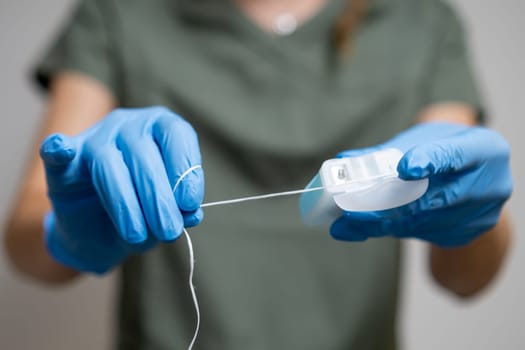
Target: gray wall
[(80, 317)]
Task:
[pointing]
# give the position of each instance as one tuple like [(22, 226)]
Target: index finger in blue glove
[(179, 147), (116, 192), (360, 225), (151, 185), (462, 151), (347, 230)]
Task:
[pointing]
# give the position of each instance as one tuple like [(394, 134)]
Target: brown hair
[(346, 25)]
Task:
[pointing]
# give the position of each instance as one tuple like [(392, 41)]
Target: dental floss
[(262, 196), (368, 182), (192, 264), (244, 199), (192, 289), (184, 174)]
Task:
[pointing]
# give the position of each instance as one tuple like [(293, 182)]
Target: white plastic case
[(366, 183)]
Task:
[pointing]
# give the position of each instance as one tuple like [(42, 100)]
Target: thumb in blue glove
[(111, 187), (469, 181)]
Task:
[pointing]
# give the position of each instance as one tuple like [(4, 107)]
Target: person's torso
[(268, 110)]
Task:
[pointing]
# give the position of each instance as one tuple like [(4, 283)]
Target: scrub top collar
[(226, 16)]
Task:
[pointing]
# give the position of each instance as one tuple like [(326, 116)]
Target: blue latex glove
[(111, 187), (469, 180)]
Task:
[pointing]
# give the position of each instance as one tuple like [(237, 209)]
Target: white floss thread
[(192, 289), (262, 196), (192, 264), (244, 199), (184, 174)]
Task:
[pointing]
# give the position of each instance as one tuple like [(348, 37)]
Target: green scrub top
[(268, 111)]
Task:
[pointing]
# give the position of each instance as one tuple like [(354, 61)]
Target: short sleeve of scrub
[(84, 45), (452, 77)]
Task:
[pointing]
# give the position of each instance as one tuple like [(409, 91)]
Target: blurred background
[(81, 316)]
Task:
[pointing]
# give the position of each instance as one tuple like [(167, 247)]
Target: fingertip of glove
[(135, 237), (131, 229), (57, 150), (171, 237), (191, 192), (194, 218), (339, 231), (414, 165), (170, 233)]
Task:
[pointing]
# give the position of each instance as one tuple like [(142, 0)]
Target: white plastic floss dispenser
[(365, 183)]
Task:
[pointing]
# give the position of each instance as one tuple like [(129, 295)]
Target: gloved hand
[(111, 187), (469, 180)]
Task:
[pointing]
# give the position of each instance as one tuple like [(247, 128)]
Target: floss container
[(365, 183)]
